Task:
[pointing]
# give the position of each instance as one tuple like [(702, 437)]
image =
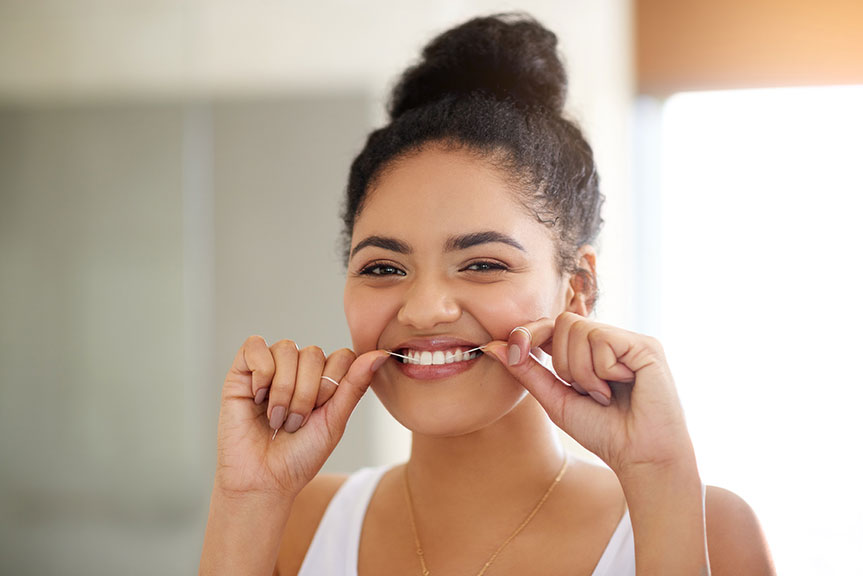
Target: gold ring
[(330, 379), (522, 329)]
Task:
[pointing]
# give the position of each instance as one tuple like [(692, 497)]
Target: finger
[(553, 394), (560, 348), (580, 361), (605, 362), (286, 356), (351, 389), (252, 369), (337, 366), (527, 336), (640, 355), (310, 366), (560, 357)]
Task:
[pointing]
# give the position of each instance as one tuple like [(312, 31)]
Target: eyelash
[(374, 269), (487, 266), (377, 268)]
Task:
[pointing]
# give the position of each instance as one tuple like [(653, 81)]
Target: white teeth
[(437, 357)]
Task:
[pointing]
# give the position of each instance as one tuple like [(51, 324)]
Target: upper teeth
[(436, 357)]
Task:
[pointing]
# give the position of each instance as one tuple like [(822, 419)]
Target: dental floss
[(276, 431), (391, 353)]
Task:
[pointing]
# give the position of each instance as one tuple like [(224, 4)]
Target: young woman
[(470, 279)]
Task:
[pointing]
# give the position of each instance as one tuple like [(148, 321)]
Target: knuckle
[(563, 319), (313, 353), (265, 371), (262, 366), (597, 334), (346, 352), (343, 357), (284, 347), (255, 341), (570, 317), (654, 344)]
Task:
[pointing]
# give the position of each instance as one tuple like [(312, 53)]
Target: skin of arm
[(243, 533), (666, 510), (735, 540), (669, 526), (306, 514)]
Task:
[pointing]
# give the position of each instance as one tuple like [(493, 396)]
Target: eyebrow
[(453, 243), (466, 241), (384, 242)]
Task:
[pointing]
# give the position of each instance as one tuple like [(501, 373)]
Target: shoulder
[(306, 514), (592, 496), (735, 541)]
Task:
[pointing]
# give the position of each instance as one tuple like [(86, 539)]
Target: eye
[(486, 266), (381, 269)]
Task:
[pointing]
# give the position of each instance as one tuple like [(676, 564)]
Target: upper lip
[(436, 343)]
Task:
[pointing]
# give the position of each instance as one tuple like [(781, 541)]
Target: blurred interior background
[(171, 174)]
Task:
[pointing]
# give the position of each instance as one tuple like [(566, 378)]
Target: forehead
[(438, 192)]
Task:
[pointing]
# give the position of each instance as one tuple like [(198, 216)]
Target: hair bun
[(507, 56)]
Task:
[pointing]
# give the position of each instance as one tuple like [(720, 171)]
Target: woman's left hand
[(613, 392)]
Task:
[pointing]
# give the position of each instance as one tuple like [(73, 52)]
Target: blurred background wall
[(170, 179)]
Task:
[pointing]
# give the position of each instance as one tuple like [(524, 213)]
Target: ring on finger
[(330, 379), (522, 329)]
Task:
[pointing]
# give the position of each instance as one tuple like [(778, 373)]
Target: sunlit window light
[(760, 310)]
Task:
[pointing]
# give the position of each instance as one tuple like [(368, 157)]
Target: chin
[(448, 409)]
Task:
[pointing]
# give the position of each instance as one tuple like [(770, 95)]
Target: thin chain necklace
[(419, 549)]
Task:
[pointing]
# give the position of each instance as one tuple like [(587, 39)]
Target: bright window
[(759, 279)]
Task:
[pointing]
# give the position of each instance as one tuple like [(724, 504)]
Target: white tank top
[(334, 550)]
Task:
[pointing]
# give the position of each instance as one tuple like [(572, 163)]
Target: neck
[(511, 460)]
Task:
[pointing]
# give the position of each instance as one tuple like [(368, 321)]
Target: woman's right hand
[(282, 388)]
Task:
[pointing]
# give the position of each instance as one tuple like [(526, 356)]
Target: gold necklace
[(419, 549)]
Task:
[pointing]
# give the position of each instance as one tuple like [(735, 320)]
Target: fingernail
[(277, 417), (599, 397), (293, 423), (260, 395), (378, 363), (514, 355)]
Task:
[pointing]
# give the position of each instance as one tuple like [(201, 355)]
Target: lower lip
[(435, 371)]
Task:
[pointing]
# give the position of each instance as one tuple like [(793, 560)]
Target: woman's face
[(443, 259)]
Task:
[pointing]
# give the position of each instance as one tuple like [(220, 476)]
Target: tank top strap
[(334, 550), (618, 559)]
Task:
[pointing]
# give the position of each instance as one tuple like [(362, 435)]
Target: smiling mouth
[(436, 357)]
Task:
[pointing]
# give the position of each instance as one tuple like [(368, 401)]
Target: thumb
[(352, 388), (552, 393)]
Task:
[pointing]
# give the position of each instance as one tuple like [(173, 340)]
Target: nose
[(427, 303)]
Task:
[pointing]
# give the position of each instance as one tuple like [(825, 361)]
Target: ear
[(581, 291)]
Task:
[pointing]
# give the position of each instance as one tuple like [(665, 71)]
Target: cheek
[(367, 314), (500, 309)]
